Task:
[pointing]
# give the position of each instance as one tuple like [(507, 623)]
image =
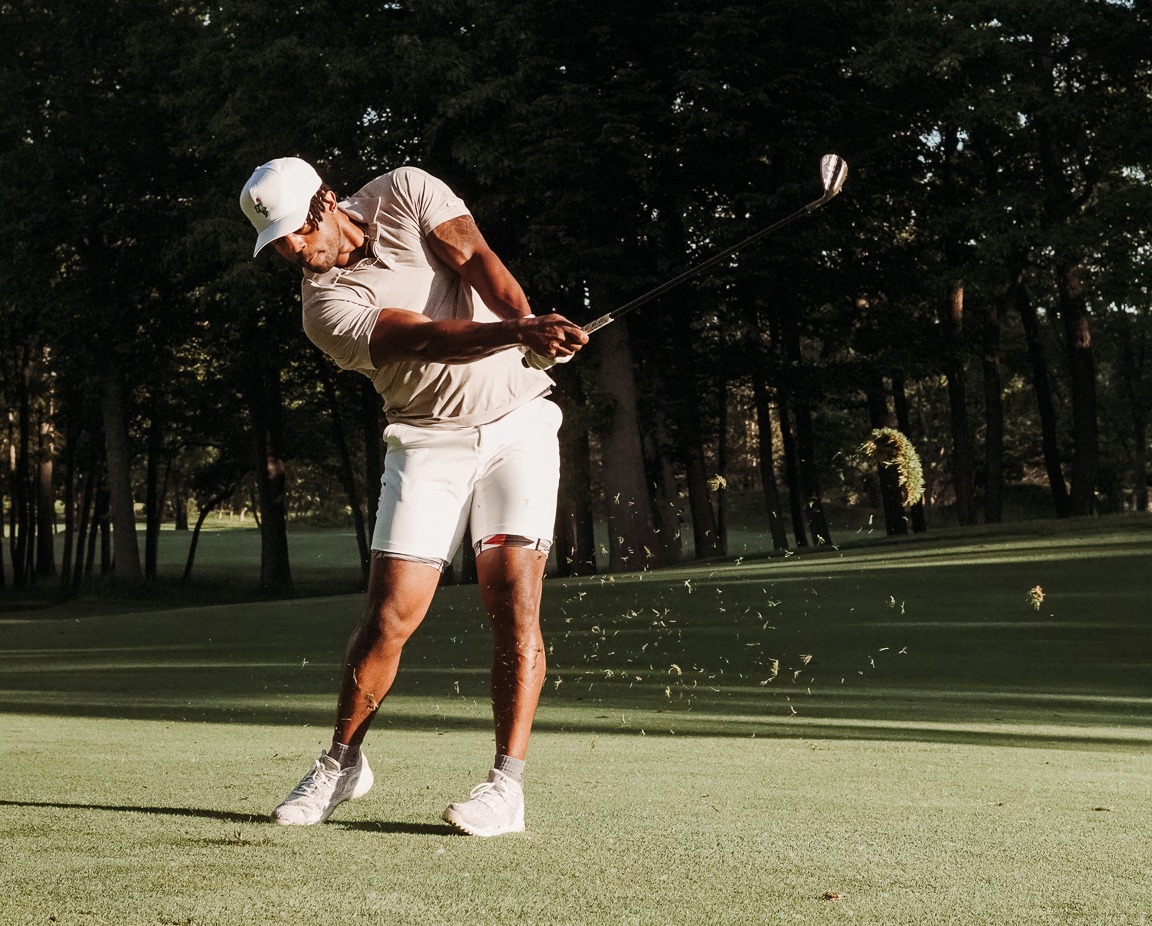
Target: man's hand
[(551, 335), (550, 339)]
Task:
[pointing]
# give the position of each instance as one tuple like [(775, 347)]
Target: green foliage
[(892, 448)]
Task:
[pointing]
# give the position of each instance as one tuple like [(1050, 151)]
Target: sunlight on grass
[(893, 736)]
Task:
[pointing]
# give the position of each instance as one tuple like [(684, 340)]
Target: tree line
[(981, 284)]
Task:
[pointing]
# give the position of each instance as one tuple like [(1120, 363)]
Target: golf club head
[(833, 171)]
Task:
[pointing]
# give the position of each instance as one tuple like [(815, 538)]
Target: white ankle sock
[(513, 768)]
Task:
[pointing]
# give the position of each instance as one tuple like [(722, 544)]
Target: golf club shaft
[(711, 261)]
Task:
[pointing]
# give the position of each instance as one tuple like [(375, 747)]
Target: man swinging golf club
[(400, 285)]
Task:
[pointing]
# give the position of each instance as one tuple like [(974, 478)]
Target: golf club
[(833, 170)]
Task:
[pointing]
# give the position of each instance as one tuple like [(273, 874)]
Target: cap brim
[(284, 225)]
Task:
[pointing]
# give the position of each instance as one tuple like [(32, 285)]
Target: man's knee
[(385, 624), (399, 593)]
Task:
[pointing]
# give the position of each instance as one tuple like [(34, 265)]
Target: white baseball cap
[(277, 196)]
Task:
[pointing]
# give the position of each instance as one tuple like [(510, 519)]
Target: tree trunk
[(200, 519), (806, 471), (23, 525), (668, 513), (575, 540), (344, 458), (767, 466), (45, 521), (1082, 364), (374, 451), (180, 506), (102, 530), (690, 440), (660, 477), (792, 471), (630, 521), (69, 513), (809, 480), (126, 549), (469, 575), (3, 570), (83, 544), (45, 502), (153, 500), (1045, 407), (705, 537), (1132, 365), (267, 428), (993, 416), (891, 498), (963, 459), (722, 471), (904, 423)]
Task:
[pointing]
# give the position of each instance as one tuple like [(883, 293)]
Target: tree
[(1036, 104)]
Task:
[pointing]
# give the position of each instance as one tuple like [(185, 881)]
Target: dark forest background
[(981, 284)]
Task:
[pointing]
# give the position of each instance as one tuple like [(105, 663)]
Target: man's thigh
[(425, 493), (515, 493)]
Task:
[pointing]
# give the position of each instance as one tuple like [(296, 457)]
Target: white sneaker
[(494, 807), (322, 790)]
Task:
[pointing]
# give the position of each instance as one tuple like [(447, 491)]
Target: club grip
[(598, 323)]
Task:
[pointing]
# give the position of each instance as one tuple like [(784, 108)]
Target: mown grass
[(882, 733)]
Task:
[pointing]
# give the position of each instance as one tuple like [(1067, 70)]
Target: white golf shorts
[(498, 479)]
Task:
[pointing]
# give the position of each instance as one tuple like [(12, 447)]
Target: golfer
[(400, 285)]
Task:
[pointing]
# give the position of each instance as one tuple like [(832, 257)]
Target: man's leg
[(510, 586), (399, 593), (511, 580)]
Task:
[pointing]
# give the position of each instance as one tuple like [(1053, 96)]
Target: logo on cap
[(261, 208)]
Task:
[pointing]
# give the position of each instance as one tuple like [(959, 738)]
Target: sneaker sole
[(460, 826)]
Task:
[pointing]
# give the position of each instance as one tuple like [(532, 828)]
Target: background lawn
[(888, 733)]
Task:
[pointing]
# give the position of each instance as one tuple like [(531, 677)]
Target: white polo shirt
[(340, 308)]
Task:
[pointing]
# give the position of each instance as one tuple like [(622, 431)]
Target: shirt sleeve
[(341, 328), (430, 200)]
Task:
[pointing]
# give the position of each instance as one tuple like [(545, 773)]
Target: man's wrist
[(519, 327)]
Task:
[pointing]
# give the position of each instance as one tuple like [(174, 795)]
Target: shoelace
[(488, 793), (312, 782)]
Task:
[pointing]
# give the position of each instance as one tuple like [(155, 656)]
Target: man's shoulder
[(394, 181), (409, 195)]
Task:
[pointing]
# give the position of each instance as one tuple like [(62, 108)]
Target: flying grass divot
[(692, 642)]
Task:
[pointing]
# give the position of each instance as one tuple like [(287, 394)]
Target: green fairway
[(889, 734)]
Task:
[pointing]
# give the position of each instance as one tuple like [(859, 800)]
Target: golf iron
[(833, 170)]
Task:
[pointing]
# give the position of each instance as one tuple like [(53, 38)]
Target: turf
[(889, 733)]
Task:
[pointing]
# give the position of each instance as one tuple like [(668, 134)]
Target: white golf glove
[(540, 362)]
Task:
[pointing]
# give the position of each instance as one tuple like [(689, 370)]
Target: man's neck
[(354, 237)]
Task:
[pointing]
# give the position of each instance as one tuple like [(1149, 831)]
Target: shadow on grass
[(224, 816), (959, 723), (228, 816)]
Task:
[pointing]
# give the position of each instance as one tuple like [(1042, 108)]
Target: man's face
[(313, 247)]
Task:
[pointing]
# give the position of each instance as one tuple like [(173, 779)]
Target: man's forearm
[(448, 341)]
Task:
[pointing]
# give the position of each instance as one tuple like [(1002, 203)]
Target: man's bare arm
[(460, 245), (402, 335)]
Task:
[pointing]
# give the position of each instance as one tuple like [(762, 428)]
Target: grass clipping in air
[(891, 448)]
